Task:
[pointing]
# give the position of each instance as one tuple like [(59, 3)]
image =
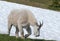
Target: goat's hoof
[(37, 35), (17, 37), (22, 37), (26, 35)]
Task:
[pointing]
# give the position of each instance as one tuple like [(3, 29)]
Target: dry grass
[(37, 3)]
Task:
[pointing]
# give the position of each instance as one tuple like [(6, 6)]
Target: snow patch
[(51, 19)]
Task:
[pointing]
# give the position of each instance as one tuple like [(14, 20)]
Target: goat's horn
[(41, 24)]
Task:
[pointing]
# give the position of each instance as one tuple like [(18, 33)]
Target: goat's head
[(37, 30)]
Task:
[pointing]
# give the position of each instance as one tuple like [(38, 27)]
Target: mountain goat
[(23, 19)]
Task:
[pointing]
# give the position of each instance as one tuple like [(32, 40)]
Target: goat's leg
[(17, 32), (9, 28), (28, 30), (21, 31)]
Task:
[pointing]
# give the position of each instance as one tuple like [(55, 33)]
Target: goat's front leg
[(28, 30)]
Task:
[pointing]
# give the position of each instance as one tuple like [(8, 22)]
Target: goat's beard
[(38, 33)]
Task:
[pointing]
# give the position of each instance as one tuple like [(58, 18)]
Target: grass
[(4, 37), (37, 3)]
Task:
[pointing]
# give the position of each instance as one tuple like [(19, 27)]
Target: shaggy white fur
[(23, 18)]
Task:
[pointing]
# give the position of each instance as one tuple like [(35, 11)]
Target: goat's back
[(23, 16)]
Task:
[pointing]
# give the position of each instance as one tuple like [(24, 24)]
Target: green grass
[(4, 37)]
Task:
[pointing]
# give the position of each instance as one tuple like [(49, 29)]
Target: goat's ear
[(37, 24), (41, 24)]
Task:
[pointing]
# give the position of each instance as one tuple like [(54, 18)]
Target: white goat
[(23, 19)]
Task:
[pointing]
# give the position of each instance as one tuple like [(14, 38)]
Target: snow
[(51, 26)]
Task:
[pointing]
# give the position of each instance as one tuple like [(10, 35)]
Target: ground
[(39, 3), (4, 37)]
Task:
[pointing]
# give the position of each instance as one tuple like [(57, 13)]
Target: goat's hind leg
[(21, 31), (9, 28), (17, 32)]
